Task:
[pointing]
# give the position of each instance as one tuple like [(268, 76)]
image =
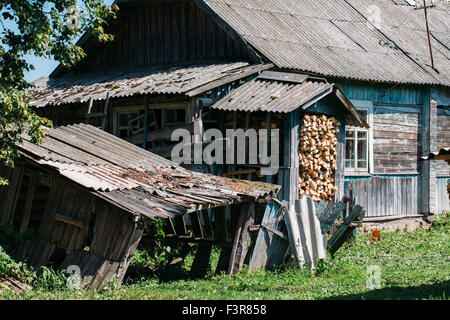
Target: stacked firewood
[(318, 157)]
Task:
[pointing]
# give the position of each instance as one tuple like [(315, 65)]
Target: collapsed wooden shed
[(87, 196)]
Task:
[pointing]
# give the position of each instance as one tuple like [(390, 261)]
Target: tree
[(44, 29)]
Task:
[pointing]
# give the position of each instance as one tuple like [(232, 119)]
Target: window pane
[(349, 153), (362, 134), (349, 134), (362, 154)]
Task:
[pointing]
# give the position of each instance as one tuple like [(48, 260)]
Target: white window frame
[(368, 107)]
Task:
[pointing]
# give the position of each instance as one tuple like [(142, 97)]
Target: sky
[(43, 67)]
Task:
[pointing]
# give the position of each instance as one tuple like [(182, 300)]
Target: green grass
[(413, 266)]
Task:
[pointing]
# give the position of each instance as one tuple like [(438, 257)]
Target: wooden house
[(88, 196), (269, 64)]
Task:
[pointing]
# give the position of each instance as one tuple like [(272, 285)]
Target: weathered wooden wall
[(443, 197), (392, 187), (160, 33), (68, 220), (387, 195), (443, 138), (396, 140)]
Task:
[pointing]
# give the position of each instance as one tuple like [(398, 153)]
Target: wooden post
[(144, 137), (428, 183), (105, 112), (268, 142), (291, 156), (340, 161), (220, 225)]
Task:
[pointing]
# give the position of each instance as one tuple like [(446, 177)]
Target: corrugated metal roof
[(335, 38), (133, 178), (284, 96), (273, 96), (174, 80)]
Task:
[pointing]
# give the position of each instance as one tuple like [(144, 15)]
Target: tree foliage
[(45, 29)]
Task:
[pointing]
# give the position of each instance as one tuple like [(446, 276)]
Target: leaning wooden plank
[(242, 238), (344, 231), (320, 207), (220, 229), (269, 249), (326, 221)]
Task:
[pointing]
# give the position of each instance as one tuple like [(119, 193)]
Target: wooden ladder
[(103, 115)]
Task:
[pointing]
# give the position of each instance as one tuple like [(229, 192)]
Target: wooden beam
[(69, 220)]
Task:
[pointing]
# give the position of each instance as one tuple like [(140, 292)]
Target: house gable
[(159, 33)]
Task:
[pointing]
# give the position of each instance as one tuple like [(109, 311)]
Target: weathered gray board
[(270, 249), (345, 230)]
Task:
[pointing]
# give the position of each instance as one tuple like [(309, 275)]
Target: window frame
[(367, 106), (121, 110), (140, 107)]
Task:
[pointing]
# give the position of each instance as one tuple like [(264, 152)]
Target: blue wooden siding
[(393, 187), (390, 94)]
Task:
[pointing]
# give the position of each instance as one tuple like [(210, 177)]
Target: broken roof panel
[(338, 38), (133, 178), (175, 80)]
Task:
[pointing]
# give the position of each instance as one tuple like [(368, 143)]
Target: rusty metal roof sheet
[(133, 178), (284, 96), (175, 80), (335, 38)]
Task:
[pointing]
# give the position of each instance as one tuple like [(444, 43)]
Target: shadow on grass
[(135, 274), (438, 290)]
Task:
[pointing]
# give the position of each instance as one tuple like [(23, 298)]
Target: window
[(130, 123), (358, 141), (175, 116)]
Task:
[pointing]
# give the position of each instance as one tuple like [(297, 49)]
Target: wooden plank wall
[(67, 215), (396, 140), (387, 195), (393, 186), (443, 138), (160, 33), (443, 197)]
